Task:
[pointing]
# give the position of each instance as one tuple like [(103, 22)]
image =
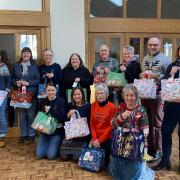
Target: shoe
[(156, 157), (2, 142), (22, 140), (31, 139), (162, 166)]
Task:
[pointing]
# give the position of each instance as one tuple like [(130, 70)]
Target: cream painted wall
[(25, 5), (67, 29)]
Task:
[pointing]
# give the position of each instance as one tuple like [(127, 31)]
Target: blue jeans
[(48, 146), (26, 118), (3, 119)]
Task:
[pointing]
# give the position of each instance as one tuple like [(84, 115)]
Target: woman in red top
[(102, 112)]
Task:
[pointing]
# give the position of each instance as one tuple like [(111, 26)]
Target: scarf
[(4, 70), (25, 68)]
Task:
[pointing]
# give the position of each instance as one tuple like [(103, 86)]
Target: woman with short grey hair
[(102, 113)]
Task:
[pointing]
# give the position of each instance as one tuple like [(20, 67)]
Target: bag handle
[(77, 114)]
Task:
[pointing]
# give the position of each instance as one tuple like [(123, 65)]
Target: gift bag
[(146, 87), (3, 95), (128, 143), (92, 159), (115, 79), (44, 123), (170, 89), (68, 94), (21, 99), (76, 127)]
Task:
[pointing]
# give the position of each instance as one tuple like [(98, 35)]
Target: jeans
[(26, 118), (171, 119), (3, 119), (48, 146)]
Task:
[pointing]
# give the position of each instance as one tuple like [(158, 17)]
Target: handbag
[(21, 99), (92, 159), (115, 79), (128, 143), (170, 89), (100, 77), (3, 95), (76, 127), (146, 87), (44, 123)]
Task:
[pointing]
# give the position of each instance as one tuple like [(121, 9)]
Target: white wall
[(25, 5), (67, 29)]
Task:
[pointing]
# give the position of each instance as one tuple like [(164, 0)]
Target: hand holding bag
[(146, 87), (128, 143), (77, 127), (170, 89), (115, 79), (92, 159), (44, 123)]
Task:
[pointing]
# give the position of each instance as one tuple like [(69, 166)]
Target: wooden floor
[(18, 162)]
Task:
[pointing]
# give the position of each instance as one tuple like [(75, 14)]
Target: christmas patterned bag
[(76, 127), (146, 87), (171, 89)]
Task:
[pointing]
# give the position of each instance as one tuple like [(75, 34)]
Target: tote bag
[(76, 127), (44, 123)]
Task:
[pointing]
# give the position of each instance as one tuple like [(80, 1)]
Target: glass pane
[(115, 48), (135, 42), (178, 42), (98, 42), (29, 41), (170, 9), (167, 47), (108, 8), (141, 9), (145, 46)]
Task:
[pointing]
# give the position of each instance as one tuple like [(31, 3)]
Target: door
[(12, 41)]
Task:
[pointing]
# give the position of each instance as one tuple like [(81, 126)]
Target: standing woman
[(102, 113), (75, 71), (71, 149), (121, 167), (5, 83), (48, 145), (171, 119), (50, 71), (25, 73)]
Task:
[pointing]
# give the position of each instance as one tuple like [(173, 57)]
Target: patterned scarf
[(4, 70), (25, 68)]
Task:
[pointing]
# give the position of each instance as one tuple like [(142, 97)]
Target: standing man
[(154, 67)]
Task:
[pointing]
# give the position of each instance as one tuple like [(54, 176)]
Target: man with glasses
[(154, 67)]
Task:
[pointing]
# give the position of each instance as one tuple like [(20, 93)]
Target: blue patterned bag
[(128, 143), (92, 159)]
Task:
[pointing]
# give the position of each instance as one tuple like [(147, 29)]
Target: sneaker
[(162, 166), (31, 139), (2, 142), (157, 156)]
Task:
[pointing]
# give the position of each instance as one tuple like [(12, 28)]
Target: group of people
[(155, 118)]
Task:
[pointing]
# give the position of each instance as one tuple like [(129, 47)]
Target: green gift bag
[(115, 79), (44, 123), (68, 94)]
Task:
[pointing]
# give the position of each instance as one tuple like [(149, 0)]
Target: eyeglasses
[(103, 50), (153, 44)]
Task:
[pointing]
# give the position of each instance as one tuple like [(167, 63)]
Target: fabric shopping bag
[(92, 159), (147, 88), (3, 95), (44, 123), (115, 79), (76, 127), (68, 94), (170, 89), (21, 99), (146, 173)]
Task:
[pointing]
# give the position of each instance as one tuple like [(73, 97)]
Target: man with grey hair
[(130, 65), (154, 67)]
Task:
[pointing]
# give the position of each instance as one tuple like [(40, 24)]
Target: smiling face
[(75, 62), (153, 45), (51, 92), (104, 52), (26, 56), (101, 96), (77, 97), (127, 56), (130, 98), (47, 56)]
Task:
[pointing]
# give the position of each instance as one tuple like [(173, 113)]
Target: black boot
[(162, 166)]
